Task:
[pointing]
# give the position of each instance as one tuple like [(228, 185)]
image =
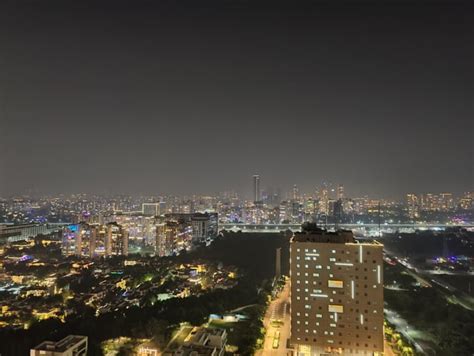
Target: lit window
[(335, 283), (335, 308)]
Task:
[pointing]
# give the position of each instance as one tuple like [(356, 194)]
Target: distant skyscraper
[(446, 201), (204, 226), (466, 201), (295, 192), (151, 209), (324, 202), (336, 293), (116, 241), (413, 206), (340, 192), (256, 188)]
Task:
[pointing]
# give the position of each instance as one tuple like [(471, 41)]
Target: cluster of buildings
[(40, 288), (328, 203), (94, 240), (337, 304), (443, 202), (163, 235)]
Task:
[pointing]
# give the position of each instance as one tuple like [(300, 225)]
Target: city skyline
[(195, 99), (255, 188)]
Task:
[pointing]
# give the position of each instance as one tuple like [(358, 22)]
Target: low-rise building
[(72, 345)]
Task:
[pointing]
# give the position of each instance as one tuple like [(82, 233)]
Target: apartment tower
[(336, 293)]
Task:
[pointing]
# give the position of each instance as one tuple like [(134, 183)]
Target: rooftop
[(310, 232), (61, 345)]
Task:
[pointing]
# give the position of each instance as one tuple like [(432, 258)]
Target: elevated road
[(363, 227)]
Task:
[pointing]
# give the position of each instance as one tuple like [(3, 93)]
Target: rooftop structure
[(72, 345)]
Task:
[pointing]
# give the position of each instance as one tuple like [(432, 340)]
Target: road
[(428, 279), (278, 310)]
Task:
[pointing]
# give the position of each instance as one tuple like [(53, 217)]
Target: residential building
[(336, 293), (72, 345)]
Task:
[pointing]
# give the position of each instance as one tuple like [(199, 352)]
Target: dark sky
[(180, 97)]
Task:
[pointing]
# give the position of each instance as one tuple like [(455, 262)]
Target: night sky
[(195, 97)]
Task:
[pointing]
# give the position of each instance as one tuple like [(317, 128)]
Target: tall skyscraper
[(336, 293), (116, 241), (166, 238), (413, 206), (340, 192), (295, 192), (256, 188), (324, 201)]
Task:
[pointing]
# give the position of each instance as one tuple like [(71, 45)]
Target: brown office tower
[(336, 293)]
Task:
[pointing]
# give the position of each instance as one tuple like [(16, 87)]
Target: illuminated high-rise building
[(116, 242), (204, 226), (429, 202), (466, 201), (94, 240), (160, 231), (151, 209), (324, 202), (340, 192), (336, 293), (413, 206), (295, 192), (256, 188), (79, 240), (446, 201), (166, 238)]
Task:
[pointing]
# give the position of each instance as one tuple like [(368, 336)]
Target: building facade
[(336, 293), (94, 240)]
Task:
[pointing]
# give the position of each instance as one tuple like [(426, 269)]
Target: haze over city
[(191, 98)]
